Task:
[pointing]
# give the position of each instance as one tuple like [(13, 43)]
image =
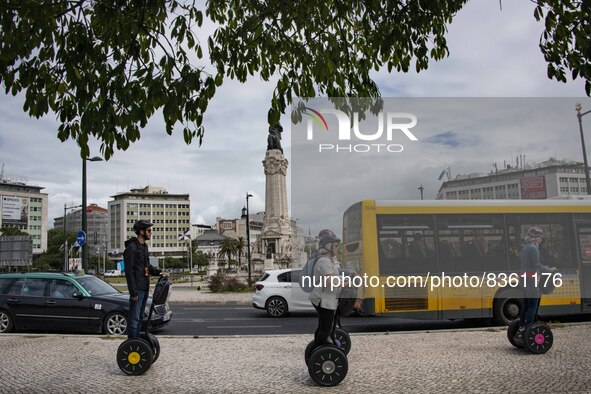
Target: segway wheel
[(328, 365), (512, 331), (343, 340), (308, 351), (135, 356), (538, 338), (151, 338)]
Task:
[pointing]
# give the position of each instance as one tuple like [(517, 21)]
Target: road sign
[(81, 238)]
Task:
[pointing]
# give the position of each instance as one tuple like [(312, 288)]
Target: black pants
[(325, 322)]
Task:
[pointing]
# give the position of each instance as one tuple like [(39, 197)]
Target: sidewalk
[(480, 360)]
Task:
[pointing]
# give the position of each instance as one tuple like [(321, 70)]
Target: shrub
[(221, 282)]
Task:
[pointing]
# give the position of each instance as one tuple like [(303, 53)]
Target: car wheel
[(276, 307), (115, 324), (6, 324)]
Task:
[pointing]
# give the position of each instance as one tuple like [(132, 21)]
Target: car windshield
[(95, 286)]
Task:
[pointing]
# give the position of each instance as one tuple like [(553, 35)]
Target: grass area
[(176, 278)]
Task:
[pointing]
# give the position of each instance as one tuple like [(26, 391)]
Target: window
[(406, 244), (471, 243), (554, 250), (60, 288), (284, 277)]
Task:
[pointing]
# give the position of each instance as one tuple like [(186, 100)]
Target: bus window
[(406, 244), (471, 243), (555, 247)]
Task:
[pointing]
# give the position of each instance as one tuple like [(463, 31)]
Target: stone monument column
[(276, 232)]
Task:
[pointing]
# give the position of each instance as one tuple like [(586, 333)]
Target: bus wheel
[(506, 309)]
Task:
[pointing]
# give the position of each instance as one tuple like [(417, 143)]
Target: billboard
[(15, 211), (16, 250), (533, 188)]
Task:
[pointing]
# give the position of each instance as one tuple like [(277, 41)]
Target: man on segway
[(532, 269), (137, 274)]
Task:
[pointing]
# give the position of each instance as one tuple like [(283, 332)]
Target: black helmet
[(327, 237), (141, 225)]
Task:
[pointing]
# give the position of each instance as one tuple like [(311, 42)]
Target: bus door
[(584, 245)]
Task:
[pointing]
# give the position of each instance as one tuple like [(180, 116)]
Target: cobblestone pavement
[(479, 360)]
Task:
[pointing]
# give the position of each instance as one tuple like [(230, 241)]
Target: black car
[(67, 302)]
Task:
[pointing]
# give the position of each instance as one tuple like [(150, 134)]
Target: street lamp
[(421, 188), (66, 265), (84, 207), (248, 237), (579, 116)]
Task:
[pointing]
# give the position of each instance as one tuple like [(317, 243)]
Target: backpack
[(308, 271)]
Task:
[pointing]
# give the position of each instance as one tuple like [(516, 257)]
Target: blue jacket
[(530, 260)]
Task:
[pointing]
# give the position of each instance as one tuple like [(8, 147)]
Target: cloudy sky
[(493, 53)]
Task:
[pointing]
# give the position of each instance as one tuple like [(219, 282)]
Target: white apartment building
[(25, 207), (170, 214), (551, 179)]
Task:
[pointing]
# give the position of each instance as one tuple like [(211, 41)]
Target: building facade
[(97, 227), (548, 180), (25, 207), (170, 214), (235, 228)]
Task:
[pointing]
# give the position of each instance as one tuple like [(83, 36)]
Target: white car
[(279, 292), (113, 273)]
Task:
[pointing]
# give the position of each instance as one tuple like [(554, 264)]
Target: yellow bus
[(470, 239)]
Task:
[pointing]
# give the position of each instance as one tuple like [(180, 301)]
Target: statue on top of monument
[(274, 138)]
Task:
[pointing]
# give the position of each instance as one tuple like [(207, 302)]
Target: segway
[(328, 364), (136, 356), (537, 336)]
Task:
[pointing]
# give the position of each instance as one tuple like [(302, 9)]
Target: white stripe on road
[(244, 326), (215, 308)]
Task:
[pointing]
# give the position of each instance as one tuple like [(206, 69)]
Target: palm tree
[(240, 244), (227, 248)]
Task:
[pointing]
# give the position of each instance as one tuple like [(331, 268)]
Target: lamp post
[(248, 195), (66, 265), (84, 207), (579, 116), (421, 188)]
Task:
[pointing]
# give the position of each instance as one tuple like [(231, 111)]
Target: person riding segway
[(526, 331), (326, 355), (136, 355)]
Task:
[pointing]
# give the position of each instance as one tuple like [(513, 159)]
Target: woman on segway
[(532, 269), (325, 298)]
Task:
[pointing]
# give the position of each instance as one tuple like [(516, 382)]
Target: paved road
[(204, 320)]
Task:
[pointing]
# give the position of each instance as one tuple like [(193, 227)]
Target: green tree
[(172, 263), (201, 260), (53, 258), (566, 40), (9, 231), (240, 245), (106, 67), (227, 249)]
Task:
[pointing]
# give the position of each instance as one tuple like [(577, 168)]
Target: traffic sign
[(81, 238)]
